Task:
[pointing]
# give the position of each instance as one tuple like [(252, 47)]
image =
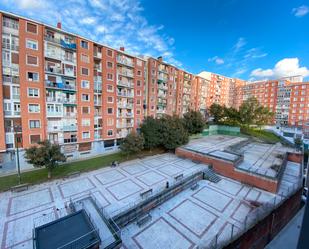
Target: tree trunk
[(49, 174)]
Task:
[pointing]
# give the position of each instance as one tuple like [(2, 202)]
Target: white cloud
[(241, 42), (217, 60), (112, 22), (254, 53), (283, 68), (300, 11)]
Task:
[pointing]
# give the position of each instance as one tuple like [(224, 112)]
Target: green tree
[(217, 112), (193, 122), (45, 154), (172, 132), (150, 130), (263, 116), (231, 116), (298, 142), (132, 143), (248, 111)]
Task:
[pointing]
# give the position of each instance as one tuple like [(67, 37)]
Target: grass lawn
[(40, 175), (265, 136)]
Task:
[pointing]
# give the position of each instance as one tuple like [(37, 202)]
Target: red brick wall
[(263, 232), (227, 169), (295, 157)]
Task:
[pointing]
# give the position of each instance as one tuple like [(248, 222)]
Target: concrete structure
[(210, 215), (259, 165)]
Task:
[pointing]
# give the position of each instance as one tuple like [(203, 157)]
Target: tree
[(248, 111), (217, 112), (132, 143), (45, 154), (298, 142), (193, 122), (150, 130), (172, 132), (263, 116), (231, 116)]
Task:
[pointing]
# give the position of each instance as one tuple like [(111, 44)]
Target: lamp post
[(16, 128)]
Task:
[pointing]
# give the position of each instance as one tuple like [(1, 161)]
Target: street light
[(17, 140)]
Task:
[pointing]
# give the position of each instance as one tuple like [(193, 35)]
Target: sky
[(247, 39)]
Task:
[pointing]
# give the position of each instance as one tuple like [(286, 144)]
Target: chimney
[(59, 25), (121, 49), (160, 58)]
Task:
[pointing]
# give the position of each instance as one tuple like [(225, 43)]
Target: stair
[(211, 175)]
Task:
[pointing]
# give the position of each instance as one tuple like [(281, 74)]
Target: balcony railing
[(98, 102), (123, 94), (10, 79), (124, 125), (54, 70), (61, 100), (69, 140), (126, 84), (54, 114), (126, 62), (61, 85), (125, 73), (97, 54), (10, 46), (69, 114), (125, 105), (69, 128)]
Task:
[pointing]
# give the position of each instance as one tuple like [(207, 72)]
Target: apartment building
[(59, 86)]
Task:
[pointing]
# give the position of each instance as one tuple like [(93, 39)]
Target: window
[(84, 44), (34, 108), (110, 88), (86, 135), (85, 71), (110, 76), (85, 109), (34, 124), (110, 64), (85, 97), (32, 44), (138, 102), (138, 83), (110, 110), (85, 122), (110, 121), (138, 111), (110, 133), (34, 139), (84, 58), (31, 28), (32, 76), (85, 84), (32, 60), (138, 92), (33, 92), (110, 99), (139, 72), (109, 53)]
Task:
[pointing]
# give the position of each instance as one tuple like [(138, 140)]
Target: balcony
[(60, 86), (97, 136), (10, 46), (12, 113), (125, 105), (124, 125), (123, 94), (61, 100), (68, 45), (10, 69), (97, 55), (125, 115), (69, 114), (54, 70), (10, 79), (53, 54), (126, 73), (70, 128), (125, 84), (54, 114), (70, 140), (98, 102), (125, 61)]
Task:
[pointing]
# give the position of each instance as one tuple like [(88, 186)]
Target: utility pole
[(17, 153)]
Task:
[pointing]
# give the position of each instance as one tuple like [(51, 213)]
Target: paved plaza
[(185, 221)]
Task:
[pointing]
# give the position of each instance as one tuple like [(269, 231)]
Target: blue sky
[(248, 39)]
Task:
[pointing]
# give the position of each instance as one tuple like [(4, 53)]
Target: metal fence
[(259, 213)]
